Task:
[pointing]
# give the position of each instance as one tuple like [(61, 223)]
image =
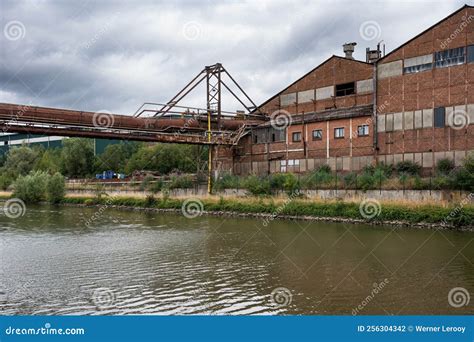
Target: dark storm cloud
[(115, 55)]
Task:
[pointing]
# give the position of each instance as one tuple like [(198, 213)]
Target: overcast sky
[(113, 55)]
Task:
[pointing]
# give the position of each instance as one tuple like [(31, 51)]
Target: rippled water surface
[(152, 263)]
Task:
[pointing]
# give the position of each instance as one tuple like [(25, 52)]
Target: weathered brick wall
[(405, 109), (440, 37), (405, 94), (336, 70)]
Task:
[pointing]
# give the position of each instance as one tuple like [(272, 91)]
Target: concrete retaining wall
[(418, 196)]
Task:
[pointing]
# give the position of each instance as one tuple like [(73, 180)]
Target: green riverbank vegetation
[(404, 175), (76, 159), (455, 215), (40, 186)]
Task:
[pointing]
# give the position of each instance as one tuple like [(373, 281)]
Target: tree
[(3, 158), (164, 158), (31, 188), (55, 189), (21, 160), (77, 157), (116, 156), (50, 161)]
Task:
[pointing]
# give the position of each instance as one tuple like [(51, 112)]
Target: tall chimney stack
[(349, 49)]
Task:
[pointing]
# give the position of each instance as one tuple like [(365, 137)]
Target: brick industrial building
[(416, 103)]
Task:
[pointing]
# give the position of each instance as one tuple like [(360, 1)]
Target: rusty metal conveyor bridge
[(154, 122)]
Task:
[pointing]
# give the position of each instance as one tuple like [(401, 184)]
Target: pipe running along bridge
[(152, 122)]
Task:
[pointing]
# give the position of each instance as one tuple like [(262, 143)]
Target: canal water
[(52, 263)]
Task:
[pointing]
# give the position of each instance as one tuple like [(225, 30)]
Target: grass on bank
[(40, 186), (456, 215)]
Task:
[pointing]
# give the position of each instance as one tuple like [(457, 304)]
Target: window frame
[(436, 117), (470, 54), (345, 90), (363, 134), (293, 136), (442, 59), (343, 132), (417, 68), (320, 137)]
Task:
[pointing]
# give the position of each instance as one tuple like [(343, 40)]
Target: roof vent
[(372, 56), (349, 49)]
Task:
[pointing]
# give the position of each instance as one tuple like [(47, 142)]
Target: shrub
[(366, 181), (325, 168), (145, 183), (226, 181), (284, 181), (292, 184), (277, 181), (444, 166), (319, 177), (408, 167), (464, 176), (368, 169), (150, 201), (55, 189), (156, 186), (89, 201), (257, 186), (5, 181), (420, 184), (350, 180), (181, 182), (403, 178), (386, 169), (31, 188), (441, 182)]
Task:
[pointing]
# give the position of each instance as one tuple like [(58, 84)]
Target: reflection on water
[(152, 263)]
